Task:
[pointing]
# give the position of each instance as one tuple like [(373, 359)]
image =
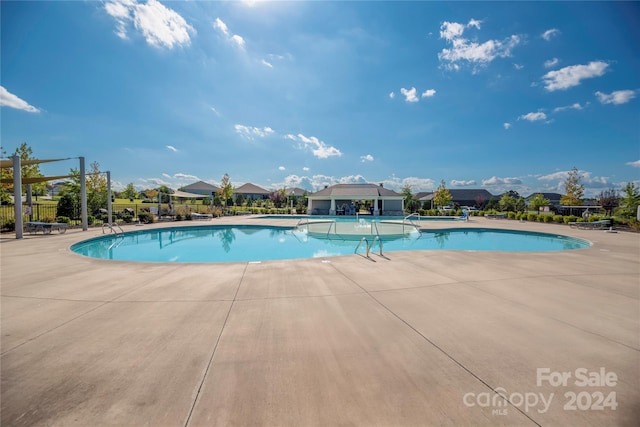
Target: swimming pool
[(246, 243), (354, 218)]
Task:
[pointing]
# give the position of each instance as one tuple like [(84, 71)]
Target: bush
[(570, 218), (8, 224), (559, 219), (532, 217), (63, 219), (546, 218), (145, 217), (511, 215)]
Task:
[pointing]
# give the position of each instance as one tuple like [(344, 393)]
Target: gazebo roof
[(356, 191)]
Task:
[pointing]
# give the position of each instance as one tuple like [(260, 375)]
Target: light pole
[(291, 197)]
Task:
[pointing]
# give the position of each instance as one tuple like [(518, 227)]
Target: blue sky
[(495, 95)]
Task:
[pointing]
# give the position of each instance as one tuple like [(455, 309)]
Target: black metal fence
[(47, 212)]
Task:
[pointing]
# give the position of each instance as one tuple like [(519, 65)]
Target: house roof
[(249, 188), (200, 186), (355, 191), (548, 196), (297, 192)]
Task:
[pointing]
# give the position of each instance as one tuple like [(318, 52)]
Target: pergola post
[(109, 207), (332, 210), (83, 195), (17, 196)]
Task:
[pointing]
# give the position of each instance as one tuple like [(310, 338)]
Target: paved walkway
[(413, 339)]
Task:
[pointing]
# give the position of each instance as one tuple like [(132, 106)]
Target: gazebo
[(336, 200)]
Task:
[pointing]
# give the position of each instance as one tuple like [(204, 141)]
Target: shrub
[(558, 219), (532, 217), (546, 218), (8, 224), (511, 215), (63, 219), (570, 218), (145, 217)]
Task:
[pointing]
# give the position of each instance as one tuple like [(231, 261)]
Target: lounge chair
[(45, 227), (593, 225), (196, 215)]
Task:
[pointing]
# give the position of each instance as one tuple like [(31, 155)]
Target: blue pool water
[(258, 243), (353, 218)]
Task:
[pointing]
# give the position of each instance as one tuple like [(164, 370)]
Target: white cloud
[(160, 26), (428, 93), (617, 97), (319, 148), (551, 63), (507, 125), (463, 50), (571, 76), (549, 34), (494, 180), (234, 39), (249, 132), (172, 148), (417, 184), (575, 106), (367, 158), (451, 30), (218, 24), (268, 64), (238, 40), (560, 175), (635, 164), (186, 177), (462, 183), (281, 168), (7, 99), (533, 117), (306, 169), (410, 95), (392, 95)]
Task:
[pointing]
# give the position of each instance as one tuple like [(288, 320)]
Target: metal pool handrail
[(408, 218)]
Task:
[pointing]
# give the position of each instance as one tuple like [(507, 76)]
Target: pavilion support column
[(109, 204), (17, 196), (376, 211), (332, 210), (83, 196)]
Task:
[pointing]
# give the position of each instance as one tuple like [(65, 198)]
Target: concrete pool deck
[(409, 339)]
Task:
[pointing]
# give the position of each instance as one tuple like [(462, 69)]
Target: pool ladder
[(112, 228), (408, 219), (369, 246)]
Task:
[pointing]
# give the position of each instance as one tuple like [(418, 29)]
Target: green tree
[(538, 201), (96, 184), (130, 192), (442, 197), (69, 206), (507, 203), (165, 191), (410, 203), (629, 200), (226, 189), (27, 171), (574, 190)]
